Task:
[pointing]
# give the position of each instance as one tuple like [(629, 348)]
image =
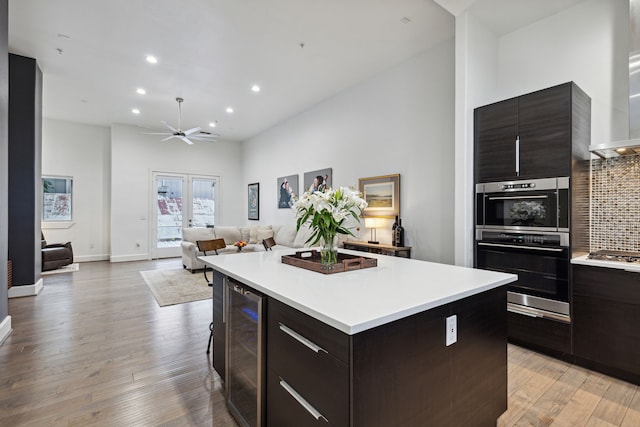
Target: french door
[(180, 201)]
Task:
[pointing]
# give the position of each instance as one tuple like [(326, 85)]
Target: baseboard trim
[(26, 290), (90, 258), (127, 258), (5, 329)]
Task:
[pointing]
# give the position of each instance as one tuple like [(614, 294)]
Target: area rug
[(66, 269), (176, 286)]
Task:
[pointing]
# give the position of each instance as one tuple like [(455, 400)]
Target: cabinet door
[(606, 315), (495, 136), (544, 130)]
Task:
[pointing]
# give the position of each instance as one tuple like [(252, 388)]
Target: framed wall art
[(287, 191), (317, 180), (253, 201), (382, 193)]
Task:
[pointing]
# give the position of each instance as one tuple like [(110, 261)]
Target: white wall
[(82, 152), (135, 156), (401, 121), (586, 44), (476, 84)]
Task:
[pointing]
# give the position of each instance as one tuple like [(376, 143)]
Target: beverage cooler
[(244, 382)]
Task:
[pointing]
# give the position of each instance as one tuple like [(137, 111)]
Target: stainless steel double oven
[(522, 227)]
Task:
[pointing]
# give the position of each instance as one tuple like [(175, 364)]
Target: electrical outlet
[(451, 333)]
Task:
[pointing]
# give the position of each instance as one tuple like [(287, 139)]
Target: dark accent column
[(25, 168), (4, 163)]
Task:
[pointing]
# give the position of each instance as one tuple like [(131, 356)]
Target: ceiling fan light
[(212, 124)]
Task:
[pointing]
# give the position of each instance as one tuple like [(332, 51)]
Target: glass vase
[(329, 250)]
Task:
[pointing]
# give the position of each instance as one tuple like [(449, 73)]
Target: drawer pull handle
[(306, 405), (293, 334)]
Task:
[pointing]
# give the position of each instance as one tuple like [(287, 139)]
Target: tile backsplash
[(615, 204)]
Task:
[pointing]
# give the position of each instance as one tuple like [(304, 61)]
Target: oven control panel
[(523, 238), (522, 185)]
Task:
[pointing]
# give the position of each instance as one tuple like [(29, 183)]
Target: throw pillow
[(259, 233), (245, 233), (286, 235), (192, 234), (229, 233)]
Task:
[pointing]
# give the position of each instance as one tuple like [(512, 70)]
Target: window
[(56, 198)]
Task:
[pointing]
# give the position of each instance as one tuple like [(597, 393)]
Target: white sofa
[(284, 235)]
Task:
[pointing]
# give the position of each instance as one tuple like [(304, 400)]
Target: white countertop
[(358, 300), (628, 266)]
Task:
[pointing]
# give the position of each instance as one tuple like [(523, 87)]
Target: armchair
[(55, 255)]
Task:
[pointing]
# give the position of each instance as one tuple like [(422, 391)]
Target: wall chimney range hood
[(632, 145)]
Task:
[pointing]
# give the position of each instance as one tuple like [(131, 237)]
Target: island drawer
[(333, 341), (287, 406), (320, 378)]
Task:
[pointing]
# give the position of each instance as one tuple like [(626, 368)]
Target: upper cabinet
[(537, 135)]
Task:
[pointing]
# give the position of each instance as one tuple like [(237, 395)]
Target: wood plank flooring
[(94, 348)]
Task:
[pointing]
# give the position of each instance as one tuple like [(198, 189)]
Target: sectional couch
[(285, 236)]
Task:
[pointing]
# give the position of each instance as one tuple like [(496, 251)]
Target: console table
[(400, 251)]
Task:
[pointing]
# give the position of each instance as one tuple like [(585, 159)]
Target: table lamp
[(372, 223)]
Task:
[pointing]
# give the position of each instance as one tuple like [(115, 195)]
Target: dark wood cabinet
[(544, 335), (219, 327), (544, 132), (496, 131), (532, 136), (309, 359), (606, 319), (400, 373)]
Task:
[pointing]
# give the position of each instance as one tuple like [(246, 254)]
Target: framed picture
[(287, 191), (382, 193), (253, 201), (317, 180)]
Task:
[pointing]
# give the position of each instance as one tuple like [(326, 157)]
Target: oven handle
[(537, 313), (535, 248), (518, 197)]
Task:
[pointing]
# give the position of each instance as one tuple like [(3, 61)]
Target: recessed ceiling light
[(212, 124), (141, 91), (229, 110), (135, 111), (151, 59), (255, 88)]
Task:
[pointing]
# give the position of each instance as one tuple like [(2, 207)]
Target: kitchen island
[(369, 347)]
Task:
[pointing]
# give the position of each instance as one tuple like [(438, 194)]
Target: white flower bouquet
[(326, 213)]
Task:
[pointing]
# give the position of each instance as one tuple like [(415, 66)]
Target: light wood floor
[(94, 348)]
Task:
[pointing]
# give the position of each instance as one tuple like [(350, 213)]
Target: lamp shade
[(371, 223)]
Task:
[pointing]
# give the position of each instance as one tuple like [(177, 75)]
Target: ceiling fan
[(188, 136)]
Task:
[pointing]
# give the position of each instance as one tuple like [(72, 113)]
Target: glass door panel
[(169, 214), (203, 192), (180, 201)]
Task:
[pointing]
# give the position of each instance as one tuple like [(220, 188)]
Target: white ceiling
[(211, 52), (505, 16)]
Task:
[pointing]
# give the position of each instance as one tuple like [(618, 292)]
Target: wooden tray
[(311, 260)]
